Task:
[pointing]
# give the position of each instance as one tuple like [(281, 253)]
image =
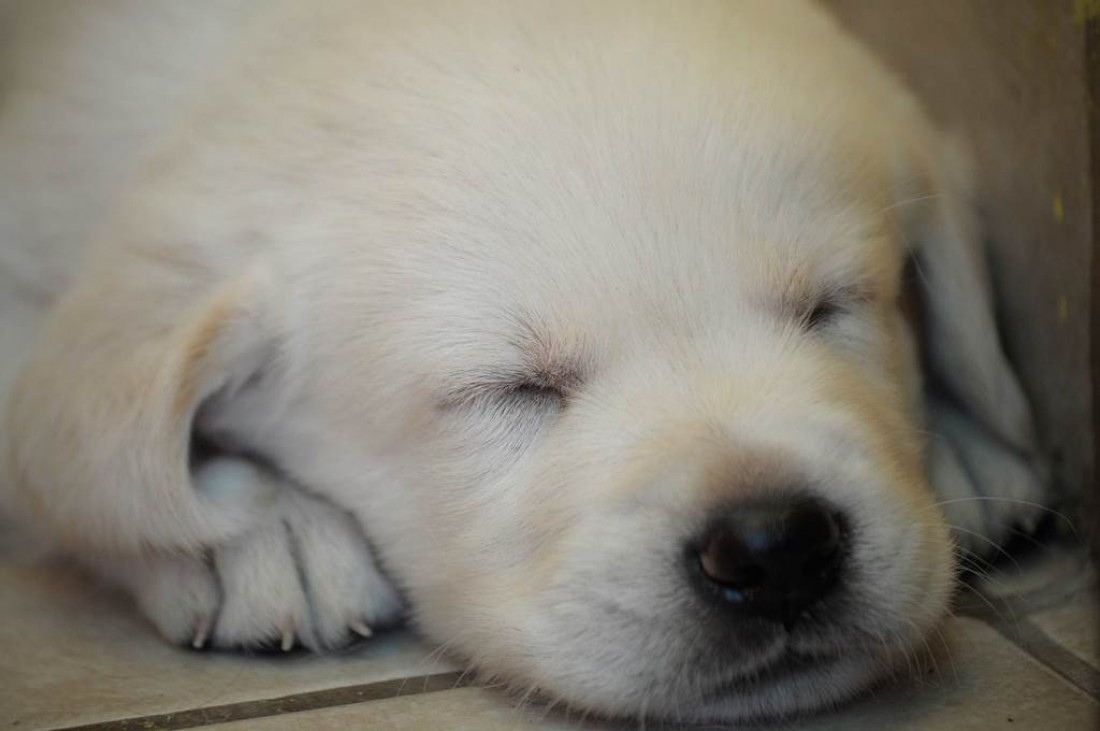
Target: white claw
[(288, 641), (360, 628), (202, 633)]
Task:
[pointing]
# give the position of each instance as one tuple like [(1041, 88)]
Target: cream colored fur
[(331, 238)]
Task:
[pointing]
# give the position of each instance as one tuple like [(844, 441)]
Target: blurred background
[(1021, 80)]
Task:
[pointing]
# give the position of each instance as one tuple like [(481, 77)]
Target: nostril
[(774, 557), (728, 559)]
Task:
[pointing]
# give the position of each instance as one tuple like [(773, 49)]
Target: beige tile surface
[(987, 684), (74, 653), (1075, 627), (465, 709)]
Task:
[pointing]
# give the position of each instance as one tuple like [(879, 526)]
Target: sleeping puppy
[(574, 330)]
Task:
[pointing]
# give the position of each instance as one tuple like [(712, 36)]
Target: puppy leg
[(987, 490), (305, 575)]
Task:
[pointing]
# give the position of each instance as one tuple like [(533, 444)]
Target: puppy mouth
[(787, 666), (794, 685)]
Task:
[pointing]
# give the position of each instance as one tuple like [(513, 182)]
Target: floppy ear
[(100, 421), (960, 341)]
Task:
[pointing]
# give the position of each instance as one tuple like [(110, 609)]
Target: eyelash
[(506, 395), (821, 313), (533, 392)]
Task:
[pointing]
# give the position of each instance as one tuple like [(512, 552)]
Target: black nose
[(773, 558)]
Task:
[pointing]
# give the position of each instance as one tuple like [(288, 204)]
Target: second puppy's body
[(546, 299)]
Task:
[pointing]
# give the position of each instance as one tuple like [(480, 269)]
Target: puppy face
[(585, 351)]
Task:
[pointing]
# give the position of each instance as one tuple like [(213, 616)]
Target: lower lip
[(784, 667)]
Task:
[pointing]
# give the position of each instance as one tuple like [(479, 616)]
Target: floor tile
[(1075, 627), (76, 653), (987, 684), (465, 709)]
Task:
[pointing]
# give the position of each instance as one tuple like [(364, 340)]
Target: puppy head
[(637, 406)]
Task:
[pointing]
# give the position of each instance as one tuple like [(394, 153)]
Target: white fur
[(331, 244), (305, 576)]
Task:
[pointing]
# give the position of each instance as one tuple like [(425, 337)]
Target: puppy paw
[(180, 595), (303, 577), (988, 491)]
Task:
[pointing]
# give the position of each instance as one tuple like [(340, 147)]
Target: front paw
[(304, 576), (988, 491)]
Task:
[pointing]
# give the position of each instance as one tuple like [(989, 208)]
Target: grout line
[(1004, 618), (1041, 647), (294, 703)]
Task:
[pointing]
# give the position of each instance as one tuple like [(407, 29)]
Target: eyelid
[(464, 393), (834, 300), (849, 293), (499, 385), (820, 313)]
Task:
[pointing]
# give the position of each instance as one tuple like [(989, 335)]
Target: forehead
[(666, 200), (666, 234)]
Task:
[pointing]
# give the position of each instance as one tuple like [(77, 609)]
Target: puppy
[(574, 330)]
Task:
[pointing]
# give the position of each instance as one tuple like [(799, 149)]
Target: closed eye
[(822, 309), (534, 392), (821, 313), (507, 390)]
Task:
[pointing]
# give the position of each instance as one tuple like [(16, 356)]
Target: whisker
[(948, 651), (996, 546), (548, 709), (993, 608), (1031, 539), (967, 564), (908, 201), (1065, 518)]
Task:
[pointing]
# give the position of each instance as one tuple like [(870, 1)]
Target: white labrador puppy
[(573, 327)]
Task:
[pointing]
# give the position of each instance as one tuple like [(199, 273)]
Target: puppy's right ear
[(961, 341), (100, 422)]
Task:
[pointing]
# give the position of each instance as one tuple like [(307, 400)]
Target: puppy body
[(528, 292)]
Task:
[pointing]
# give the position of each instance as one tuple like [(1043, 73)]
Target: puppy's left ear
[(961, 344), (101, 426)]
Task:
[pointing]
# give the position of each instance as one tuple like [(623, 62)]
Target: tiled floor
[(1024, 655)]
